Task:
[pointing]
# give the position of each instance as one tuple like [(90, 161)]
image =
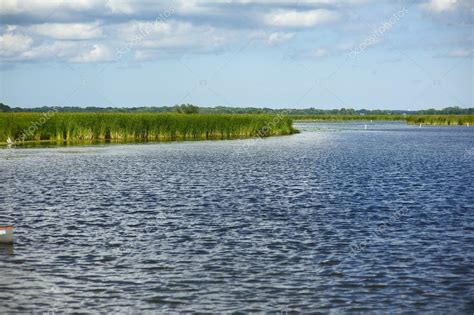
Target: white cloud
[(440, 5), (41, 7), (39, 30), (133, 29), (58, 49), (318, 53), (293, 18), (460, 53), (67, 31), (150, 39), (12, 45), (279, 37), (142, 55), (10, 28), (121, 6), (97, 53), (70, 51)]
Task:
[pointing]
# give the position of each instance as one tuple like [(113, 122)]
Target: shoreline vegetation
[(186, 122), (76, 127), (446, 120), (439, 120)]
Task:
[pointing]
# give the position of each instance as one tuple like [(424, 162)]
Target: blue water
[(334, 219)]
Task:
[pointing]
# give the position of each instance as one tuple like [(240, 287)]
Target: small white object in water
[(420, 125), (365, 126), (6, 234)]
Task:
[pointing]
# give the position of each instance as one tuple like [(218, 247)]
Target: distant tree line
[(4, 108), (186, 109), (193, 109)]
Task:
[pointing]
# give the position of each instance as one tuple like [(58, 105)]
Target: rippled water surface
[(334, 218)]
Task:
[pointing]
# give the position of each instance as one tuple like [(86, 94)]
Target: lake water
[(336, 218)]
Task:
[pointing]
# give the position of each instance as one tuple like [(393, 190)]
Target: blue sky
[(293, 54)]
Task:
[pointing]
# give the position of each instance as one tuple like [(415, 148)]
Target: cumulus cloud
[(133, 29), (98, 30), (294, 18), (95, 54), (463, 9), (121, 7), (70, 31), (174, 37), (440, 5), (69, 51), (450, 12), (34, 10), (11, 45), (279, 37), (65, 50)]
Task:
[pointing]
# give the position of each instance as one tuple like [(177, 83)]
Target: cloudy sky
[(385, 54)]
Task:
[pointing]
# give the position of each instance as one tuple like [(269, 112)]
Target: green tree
[(186, 109), (4, 108)]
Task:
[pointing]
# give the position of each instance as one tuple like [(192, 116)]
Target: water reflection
[(7, 249)]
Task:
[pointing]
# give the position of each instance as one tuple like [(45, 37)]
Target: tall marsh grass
[(441, 119), (410, 119), (60, 127), (347, 117)]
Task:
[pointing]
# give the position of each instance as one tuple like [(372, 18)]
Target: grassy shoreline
[(77, 127), (439, 120), (442, 120)]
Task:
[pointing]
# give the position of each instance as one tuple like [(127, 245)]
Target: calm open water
[(336, 218)]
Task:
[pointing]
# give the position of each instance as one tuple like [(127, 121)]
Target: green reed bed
[(71, 127), (410, 119), (347, 117), (447, 120)]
